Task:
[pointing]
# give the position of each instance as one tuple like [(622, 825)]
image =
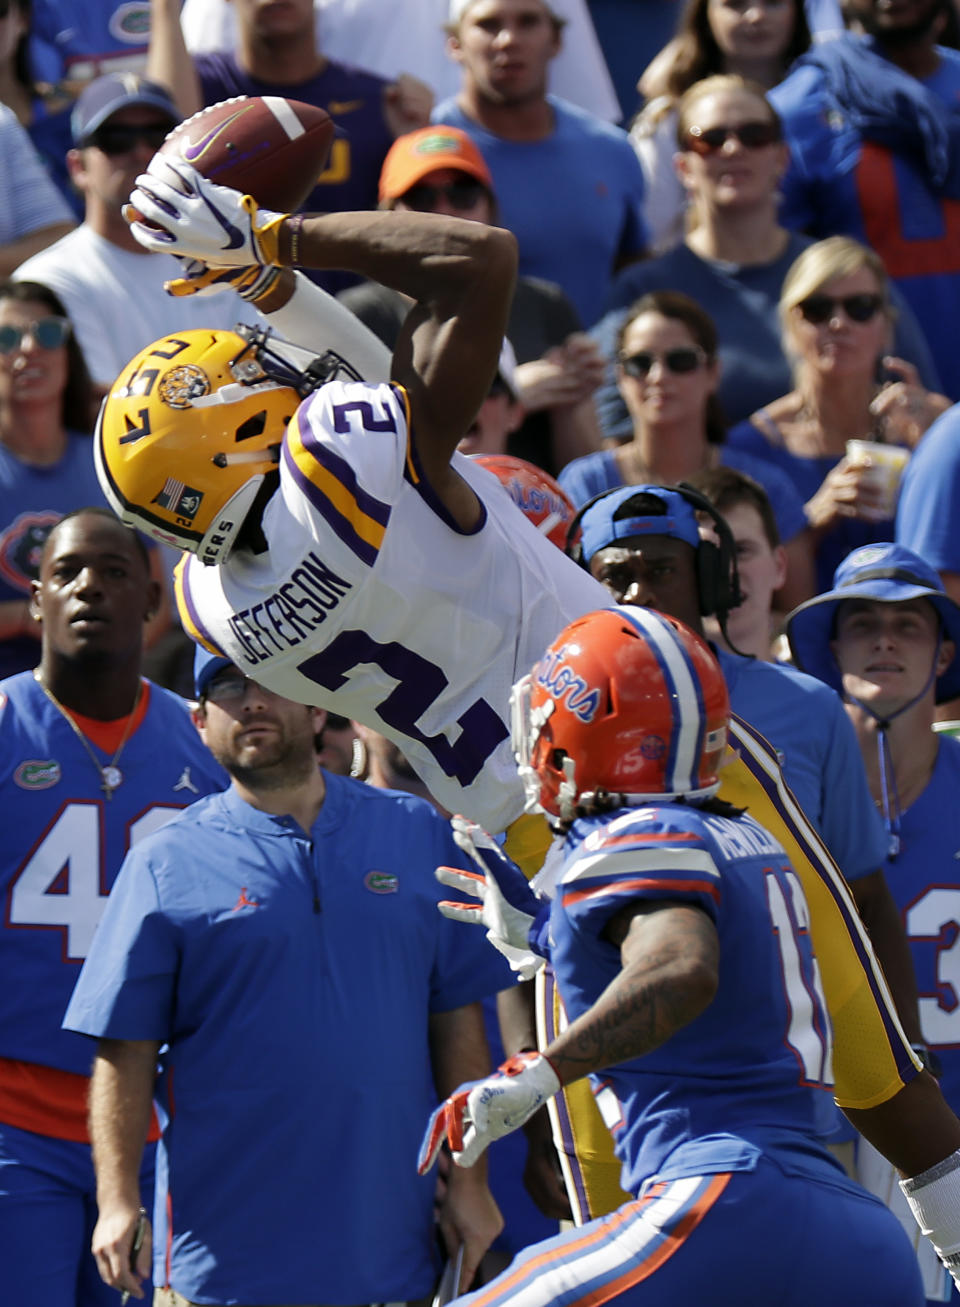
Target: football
[(268, 147)]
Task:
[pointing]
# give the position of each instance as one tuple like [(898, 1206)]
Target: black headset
[(718, 580)]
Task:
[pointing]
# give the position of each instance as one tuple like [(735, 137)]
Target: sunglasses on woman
[(683, 359), (858, 308), (752, 136), (48, 333), (464, 193)]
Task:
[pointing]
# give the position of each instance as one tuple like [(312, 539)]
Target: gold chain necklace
[(110, 776)]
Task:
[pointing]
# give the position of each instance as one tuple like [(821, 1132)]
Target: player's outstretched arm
[(121, 1091), (460, 275)]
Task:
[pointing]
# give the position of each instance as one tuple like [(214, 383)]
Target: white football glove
[(483, 1110), (934, 1199), (173, 210), (507, 906)]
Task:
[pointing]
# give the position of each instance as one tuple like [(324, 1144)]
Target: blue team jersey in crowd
[(78, 42), (591, 474), (61, 846), (838, 181), (293, 977), (735, 1081), (924, 879), (929, 506), (573, 199)]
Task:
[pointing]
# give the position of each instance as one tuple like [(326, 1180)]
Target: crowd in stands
[(738, 225)]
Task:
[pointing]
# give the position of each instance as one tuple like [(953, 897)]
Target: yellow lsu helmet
[(188, 432)]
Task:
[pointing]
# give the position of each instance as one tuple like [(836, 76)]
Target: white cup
[(885, 464)]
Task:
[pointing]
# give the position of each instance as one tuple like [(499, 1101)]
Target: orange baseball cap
[(411, 157)]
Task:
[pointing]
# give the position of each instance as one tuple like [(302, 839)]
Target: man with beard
[(873, 126), (285, 945)]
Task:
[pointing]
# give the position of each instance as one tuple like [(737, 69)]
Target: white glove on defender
[(484, 1110), (507, 907), (934, 1199)]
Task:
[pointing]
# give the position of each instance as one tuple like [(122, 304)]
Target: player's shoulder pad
[(636, 837)]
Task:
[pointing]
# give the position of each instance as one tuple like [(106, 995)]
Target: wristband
[(296, 223), (928, 1060)]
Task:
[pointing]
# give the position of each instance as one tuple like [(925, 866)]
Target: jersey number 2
[(419, 684)]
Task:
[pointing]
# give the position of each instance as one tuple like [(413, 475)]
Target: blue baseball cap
[(114, 91), (883, 573), (600, 530), (206, 666)]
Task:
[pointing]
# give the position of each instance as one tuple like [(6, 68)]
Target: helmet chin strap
[(889, 795)]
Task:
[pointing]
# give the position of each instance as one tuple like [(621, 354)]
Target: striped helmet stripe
[(683, 685)]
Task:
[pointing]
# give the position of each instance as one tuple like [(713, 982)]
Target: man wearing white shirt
[(410, 38), (111, 287)]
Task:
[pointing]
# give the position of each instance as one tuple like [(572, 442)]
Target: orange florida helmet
[(190, 429), (535, 492), (627, 706)]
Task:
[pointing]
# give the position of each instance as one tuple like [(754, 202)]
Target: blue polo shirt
[(292, 977)]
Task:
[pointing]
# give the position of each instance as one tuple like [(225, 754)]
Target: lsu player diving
[(341, 552), (679, 934), (338, 549)]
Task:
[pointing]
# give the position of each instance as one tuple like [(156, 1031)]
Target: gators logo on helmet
[(626, 705)]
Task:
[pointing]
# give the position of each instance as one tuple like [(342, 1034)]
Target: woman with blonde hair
[(754, 39), (837, 323), (735, 255)]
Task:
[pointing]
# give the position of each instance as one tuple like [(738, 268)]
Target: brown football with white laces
[(263, 145)]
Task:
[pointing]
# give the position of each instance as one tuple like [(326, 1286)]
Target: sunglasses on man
[(464, 193), (122, 138)]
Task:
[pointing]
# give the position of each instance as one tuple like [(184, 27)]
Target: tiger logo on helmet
[(627, 706), (534, 492), (187, 434)]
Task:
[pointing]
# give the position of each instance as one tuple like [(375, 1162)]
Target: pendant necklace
[(110, 775)]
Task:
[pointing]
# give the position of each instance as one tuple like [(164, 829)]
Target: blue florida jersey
[(924, 879), (371, 602), (61, 846), (737, 1079), (839, 182)]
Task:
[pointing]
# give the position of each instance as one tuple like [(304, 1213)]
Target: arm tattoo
[(669, 976)]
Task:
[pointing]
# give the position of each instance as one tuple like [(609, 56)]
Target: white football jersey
[(371, 602)]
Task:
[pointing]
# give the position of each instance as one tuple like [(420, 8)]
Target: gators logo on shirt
[(381, 882), (35, 774)]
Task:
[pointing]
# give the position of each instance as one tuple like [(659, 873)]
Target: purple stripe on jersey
[(901, 1056), (340, 525), (341, 470), (191, 607), (422, 486)]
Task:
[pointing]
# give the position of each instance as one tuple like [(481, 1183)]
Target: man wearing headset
[(643, 544)]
